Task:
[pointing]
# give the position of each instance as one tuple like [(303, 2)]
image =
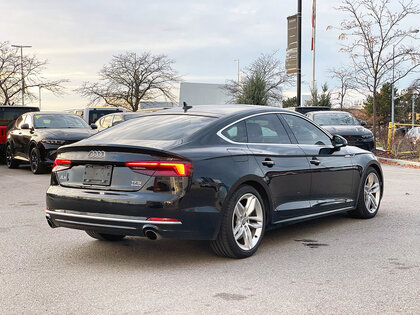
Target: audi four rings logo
[(96, 154)]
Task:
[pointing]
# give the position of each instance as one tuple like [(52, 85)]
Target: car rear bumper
[(129, 213)]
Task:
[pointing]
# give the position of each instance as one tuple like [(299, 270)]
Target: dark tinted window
[(236, 132), (159, 127), (94, 115), (305, 132), (266, 129), (8, 114), (58, 121)]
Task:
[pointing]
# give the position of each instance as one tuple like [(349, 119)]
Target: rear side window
[(159, 127), (305, 132), (236, 132), (266, 129)]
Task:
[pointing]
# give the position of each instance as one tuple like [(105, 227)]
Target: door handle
[(315, 161), (268, 162)]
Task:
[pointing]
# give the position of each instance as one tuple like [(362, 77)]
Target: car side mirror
[(363, 123), (24, 126), (93, 126), (338, 141)]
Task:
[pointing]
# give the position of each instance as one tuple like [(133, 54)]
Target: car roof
[(51, 113), (328, 112), (221, 110)]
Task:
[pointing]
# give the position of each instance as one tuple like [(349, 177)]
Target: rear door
[(331, 169), (16, 135), (284, 166)]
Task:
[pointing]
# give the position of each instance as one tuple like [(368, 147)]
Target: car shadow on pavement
[(140, 252)]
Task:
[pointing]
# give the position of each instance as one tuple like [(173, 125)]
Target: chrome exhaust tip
[(50, 222), (151, 234)]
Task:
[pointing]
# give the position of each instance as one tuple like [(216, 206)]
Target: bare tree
[(371, 32), (346, 81), (129, 79), (267, 69), (11, 77)]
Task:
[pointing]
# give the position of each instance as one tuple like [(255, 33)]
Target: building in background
[(202, 94)]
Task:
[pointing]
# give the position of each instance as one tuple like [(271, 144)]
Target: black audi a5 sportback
[(345, 125), (221, 173), (36, 136)]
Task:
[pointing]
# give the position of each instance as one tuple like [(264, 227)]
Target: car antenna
[(186, 107)]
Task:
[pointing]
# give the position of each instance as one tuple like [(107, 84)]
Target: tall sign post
[(294, 48), (299, 54)]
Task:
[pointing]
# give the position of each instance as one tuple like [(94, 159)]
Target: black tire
[(10, 161), (225, 244), (35, 161), (361, 210), (105, 237)]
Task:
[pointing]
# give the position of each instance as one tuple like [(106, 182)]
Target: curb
[(396, 162)]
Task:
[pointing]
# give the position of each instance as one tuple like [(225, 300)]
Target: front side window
[(117, 120), (106, 122), (305, 132), (28, 120), (266, 129), (19, 121)]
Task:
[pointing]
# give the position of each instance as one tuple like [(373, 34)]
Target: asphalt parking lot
[(331, 265)]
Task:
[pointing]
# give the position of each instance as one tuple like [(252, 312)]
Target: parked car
[(8, 114), (345, 125), (219, 173), (92, 114), (111, 120), (36, 136), (413, 135)]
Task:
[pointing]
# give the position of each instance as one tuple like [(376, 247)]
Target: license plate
[(97, 175)]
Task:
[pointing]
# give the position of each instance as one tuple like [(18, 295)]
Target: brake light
[(158, 168), (60, 164)]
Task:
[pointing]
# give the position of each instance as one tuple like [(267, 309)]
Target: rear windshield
[(7, 114), (159, 127), (95, 114), (59, 121)]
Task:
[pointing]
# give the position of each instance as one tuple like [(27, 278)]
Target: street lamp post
[(39, 95), (393, 75), (21, 70)]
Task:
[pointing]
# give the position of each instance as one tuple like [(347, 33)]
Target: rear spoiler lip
[(121, 148)]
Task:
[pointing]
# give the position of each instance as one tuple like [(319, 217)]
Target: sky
[(203, 37)]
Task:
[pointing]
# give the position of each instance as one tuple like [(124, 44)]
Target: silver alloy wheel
[(372, 193), (247, 221), (34, 160), (9, 158)]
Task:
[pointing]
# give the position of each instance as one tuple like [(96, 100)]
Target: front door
[(284, 165), (332, 170)]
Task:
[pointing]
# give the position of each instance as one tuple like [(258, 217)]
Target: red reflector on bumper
[(163, 219)]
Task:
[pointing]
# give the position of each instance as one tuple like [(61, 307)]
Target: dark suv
[(346, 125), (35, 138)]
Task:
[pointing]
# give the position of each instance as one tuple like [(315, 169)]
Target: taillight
[(161, 168), (60, 164)]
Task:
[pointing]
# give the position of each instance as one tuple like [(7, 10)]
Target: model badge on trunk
[(96, 154)]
